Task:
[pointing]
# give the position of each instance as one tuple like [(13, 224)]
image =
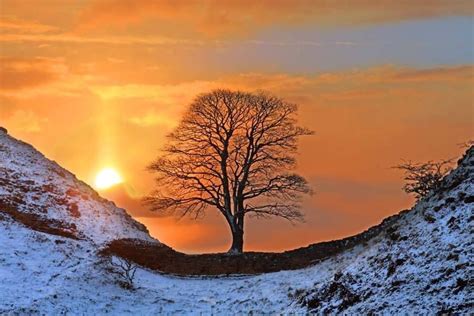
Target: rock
[(338, 292), (395, 284), (450, 200), (74, 210), (430, 219), (453, 256), (460, 285), (391, 269), (469, 199), (3, 130), (452, 223), (393, 265)]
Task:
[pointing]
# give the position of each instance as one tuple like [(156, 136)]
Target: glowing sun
[(107, 178)]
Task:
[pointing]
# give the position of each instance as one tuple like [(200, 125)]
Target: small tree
[(234, 152), (126, 269), (423, 178)]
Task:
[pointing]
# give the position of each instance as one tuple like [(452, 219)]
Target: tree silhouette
[(232, 151), (423, 178)]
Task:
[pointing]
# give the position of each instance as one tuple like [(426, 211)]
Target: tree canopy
[(235, 152)]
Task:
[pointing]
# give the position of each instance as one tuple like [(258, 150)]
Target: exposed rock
[(338, 290)]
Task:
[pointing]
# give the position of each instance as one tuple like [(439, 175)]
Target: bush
[(125, 269), (423, 178)]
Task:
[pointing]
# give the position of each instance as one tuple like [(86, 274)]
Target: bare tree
[(234, 152), (125, 269), (422, 178)]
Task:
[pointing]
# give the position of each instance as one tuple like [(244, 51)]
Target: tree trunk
[(237, 241)]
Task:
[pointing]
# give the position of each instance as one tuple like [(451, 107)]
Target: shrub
[(423, 178), (125, 269)]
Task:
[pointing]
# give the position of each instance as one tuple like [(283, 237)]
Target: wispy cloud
[(439, 73), (24, 73), (13, 24), (217, 18), (27, 121), (112, 40)]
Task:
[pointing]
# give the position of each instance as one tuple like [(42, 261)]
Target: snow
[(43, 185), (48, 274)]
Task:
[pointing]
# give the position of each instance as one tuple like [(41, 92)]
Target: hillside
[(45, 197), (54, 230)]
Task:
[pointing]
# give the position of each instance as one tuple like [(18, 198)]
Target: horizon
[(97, 88)]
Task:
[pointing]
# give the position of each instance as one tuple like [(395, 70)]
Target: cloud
[(215, 18), (346, 84), (80, 39), (435, 74), (167, 94), (26, 121), (74, 38), (7, 106), (23, 73), (13, 24)]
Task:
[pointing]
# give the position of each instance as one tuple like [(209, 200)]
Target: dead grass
[(38, 223)]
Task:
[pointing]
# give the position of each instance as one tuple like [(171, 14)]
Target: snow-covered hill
[(45, 196), (49, 261)]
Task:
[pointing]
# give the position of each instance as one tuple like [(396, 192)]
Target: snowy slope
[(422, 264), (32, 184)]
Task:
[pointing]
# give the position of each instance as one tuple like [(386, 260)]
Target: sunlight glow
[(107, 178)]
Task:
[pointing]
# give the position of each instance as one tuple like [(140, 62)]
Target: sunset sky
[(98, 84)]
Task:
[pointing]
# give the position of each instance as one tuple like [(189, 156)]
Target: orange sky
[(95, 84)]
